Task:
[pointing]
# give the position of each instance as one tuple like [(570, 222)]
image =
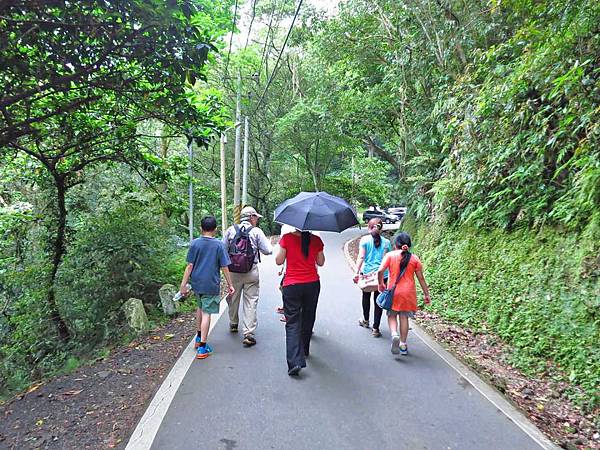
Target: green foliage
[(116, 255), (523, 135), (538, 290)]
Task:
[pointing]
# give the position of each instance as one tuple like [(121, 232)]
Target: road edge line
[(145, 432), (488, 392)]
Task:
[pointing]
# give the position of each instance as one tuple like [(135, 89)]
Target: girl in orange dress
[(404, 304)]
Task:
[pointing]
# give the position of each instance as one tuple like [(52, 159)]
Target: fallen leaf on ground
[(169, 336), (35, 387), (73, 392), (156, 338)]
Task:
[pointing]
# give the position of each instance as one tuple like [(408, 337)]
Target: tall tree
[(79, 77)]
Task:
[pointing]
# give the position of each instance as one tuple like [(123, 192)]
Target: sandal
[(363, 323)]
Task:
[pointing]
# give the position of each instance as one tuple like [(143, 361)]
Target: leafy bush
[(115, 256), (122, 252)]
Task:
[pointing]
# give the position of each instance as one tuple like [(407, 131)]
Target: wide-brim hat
[(249, 211)]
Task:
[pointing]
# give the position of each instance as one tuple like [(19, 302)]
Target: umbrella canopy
[(316, 211)]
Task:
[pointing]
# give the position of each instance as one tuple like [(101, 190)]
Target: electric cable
[(254, 2), (280, 54), (231, 38)]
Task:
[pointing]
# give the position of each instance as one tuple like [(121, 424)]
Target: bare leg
[(204, 326), (393, 324), (403, 328), (198, 319)]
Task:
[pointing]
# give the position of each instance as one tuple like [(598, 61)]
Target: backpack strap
[(231, 241)]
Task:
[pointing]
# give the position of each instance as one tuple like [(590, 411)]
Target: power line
[(232, 31), (251, 22), (280, 54), (264, 51)]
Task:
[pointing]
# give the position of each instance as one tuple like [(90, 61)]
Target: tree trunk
[(58, 250), (164, 150), (382, 153)]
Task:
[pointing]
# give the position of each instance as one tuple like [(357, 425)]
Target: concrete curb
[(491, 394)]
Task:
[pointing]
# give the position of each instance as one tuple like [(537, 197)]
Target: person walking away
[(404, 304), (204, 259), (302, 252), (371, 251), (245, 242)]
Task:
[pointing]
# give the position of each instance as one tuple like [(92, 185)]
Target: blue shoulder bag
[(385, 299)]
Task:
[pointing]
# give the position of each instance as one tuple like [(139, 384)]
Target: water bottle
[(178, 296)]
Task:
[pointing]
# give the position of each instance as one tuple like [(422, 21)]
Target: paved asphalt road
[(354, 394)]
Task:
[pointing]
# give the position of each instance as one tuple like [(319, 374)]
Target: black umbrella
[(316, 211)]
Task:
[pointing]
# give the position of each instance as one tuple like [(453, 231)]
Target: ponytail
[(305, 243), (404, 243), (376, 238)]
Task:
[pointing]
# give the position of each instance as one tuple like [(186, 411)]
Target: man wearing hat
[(246, 285)]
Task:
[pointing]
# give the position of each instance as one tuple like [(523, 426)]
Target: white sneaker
[(395, 344)]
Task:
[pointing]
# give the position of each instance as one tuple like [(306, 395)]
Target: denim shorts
[(409, 314), (208, 303)]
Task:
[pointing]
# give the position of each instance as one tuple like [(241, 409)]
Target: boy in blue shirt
[(205, 257)]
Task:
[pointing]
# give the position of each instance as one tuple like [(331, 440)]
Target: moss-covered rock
[(136, 315), (166, 293)]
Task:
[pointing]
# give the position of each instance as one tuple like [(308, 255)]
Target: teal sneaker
[(203, 352), (197, 342), (208, 348)]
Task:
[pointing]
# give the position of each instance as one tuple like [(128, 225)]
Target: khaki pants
[(246, 284)]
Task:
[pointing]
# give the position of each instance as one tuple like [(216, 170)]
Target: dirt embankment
[(99, 405)]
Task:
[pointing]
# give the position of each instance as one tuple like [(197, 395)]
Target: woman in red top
[(302, 252), (404, 303)]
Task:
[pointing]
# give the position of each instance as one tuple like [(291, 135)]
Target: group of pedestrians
[(301, 253), (393, 269)]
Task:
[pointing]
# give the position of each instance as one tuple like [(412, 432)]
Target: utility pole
[(223, 185), (245, 169), (223, 179), (191, 188), (238, 143)]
